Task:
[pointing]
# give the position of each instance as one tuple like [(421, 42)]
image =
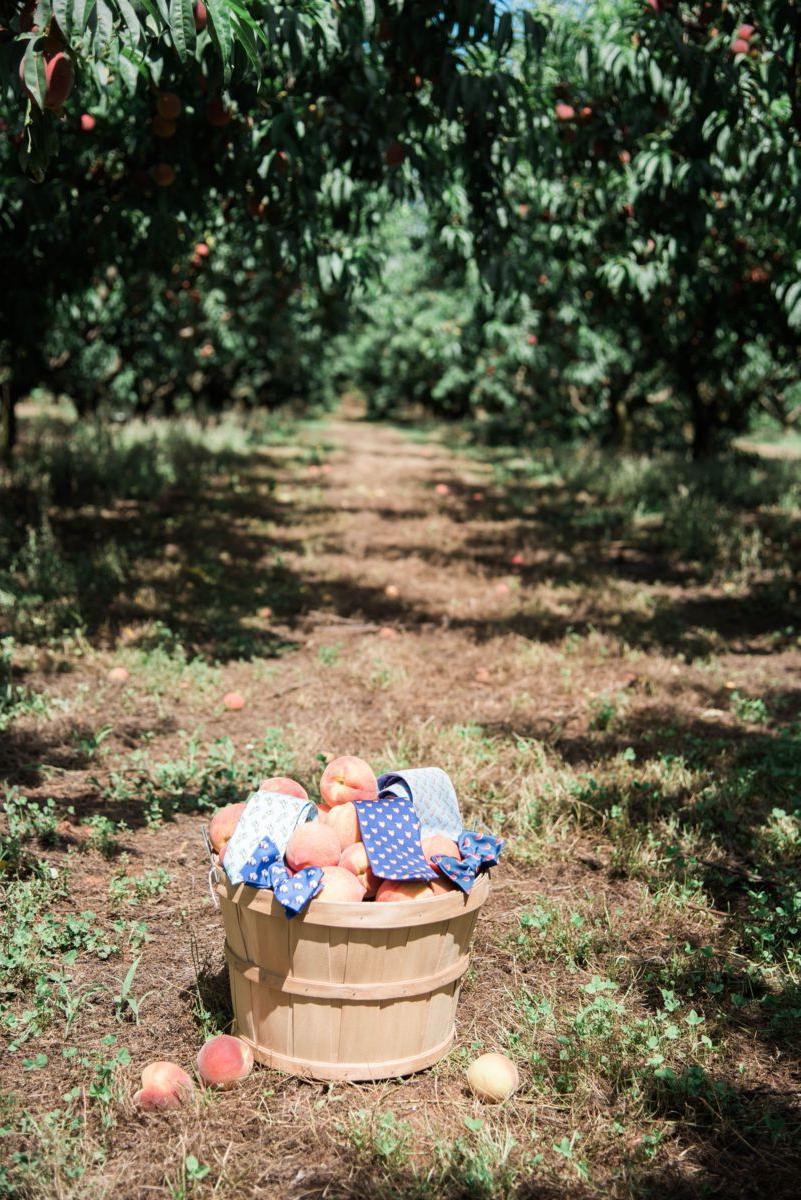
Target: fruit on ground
[(348, 778), (224, 1060), (345, 822), (437, 843), (313, 845), (392, 890), (340, 886), (223, 824), (284, 785), (355, 860), (164, 1085), (493, 1078), (118, 675), (153, 1100), (169, 106), (234, 701)]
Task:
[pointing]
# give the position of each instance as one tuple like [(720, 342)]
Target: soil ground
[(596, 704)]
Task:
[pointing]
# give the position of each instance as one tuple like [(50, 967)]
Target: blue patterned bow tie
[(265, 869), (478, 850)]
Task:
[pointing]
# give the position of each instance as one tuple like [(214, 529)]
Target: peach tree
[(273, 134)]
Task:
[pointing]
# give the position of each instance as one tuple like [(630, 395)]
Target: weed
[(753, 710), (127, 889)]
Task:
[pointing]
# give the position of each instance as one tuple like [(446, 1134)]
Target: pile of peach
[(221, 1063), (333, 841)]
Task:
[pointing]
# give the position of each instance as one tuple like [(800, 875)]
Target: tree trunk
[(703, 426), (8, 422)]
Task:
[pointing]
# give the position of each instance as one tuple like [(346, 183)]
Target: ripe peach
[(564, 112), (345, 822), (234, 701), (437, 843), (88, 122), (169, 106), (340, 886), (394, 154), (202, 250), (493, 1078), (59, 77), (745, 33), (392, 890), (355, 860), (164, 175), (348, 778), (164, 1085), (442, 489), (224, 1060), (223, 824), (313, 845), (284, 785), (118, 675), (740, 46), (153, 1100), (201, 16), (441, 885), (162, 127), (167, 1076), (217, 114)]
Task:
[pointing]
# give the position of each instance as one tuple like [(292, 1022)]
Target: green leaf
[(72, 16), (103, 27), (33, 74), (131, 20), (222, 31), (182, 28)]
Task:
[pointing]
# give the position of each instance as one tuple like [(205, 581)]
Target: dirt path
[(370, 591)]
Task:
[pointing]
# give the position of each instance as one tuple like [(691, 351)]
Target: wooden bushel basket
[(347, 991)]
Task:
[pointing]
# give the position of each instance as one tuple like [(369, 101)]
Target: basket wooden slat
[(347, 991)]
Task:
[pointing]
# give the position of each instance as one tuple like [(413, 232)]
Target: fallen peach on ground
[(223, 824), (284, 785), (348, 778), (233, 701), (164, 1085), (119, 675), (392, 890), (224, 1060), (340, 886), (355, 860), (493, 1078), (344, 821), (153, 1099), (313, 845)]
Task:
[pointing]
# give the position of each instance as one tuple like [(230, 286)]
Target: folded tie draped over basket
[(411, 805)]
